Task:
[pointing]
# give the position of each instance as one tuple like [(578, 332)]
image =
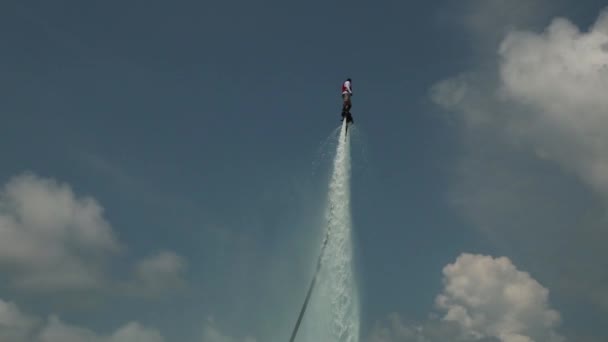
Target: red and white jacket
[(347, 88)]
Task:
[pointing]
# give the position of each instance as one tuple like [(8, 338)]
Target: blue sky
[(201, 132)]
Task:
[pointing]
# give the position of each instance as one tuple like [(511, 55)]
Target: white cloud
[(488, 21), (16, 326), (49, 238), (535, 165), (549, 96), (491, 19), (212, 333), (561, 76), (483, 299), (396, 329), (489, 297), (158, 273), (57, 331), (135, 332)]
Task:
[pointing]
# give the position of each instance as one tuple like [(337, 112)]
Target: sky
[(165, 165)]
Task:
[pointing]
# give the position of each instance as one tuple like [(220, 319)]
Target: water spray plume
[(333, 307)]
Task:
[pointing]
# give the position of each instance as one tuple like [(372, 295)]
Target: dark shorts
[(346, 97)]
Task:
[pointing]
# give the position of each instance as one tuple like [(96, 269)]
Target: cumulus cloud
[(397, 329), (49, 237), (52, 239), (561, 76), (135, 332), (212, 333), (533, 128), (549, 95), (16, 326), (490, 297), (158, 273), (489, 20), (483, 299), (58, 331)]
